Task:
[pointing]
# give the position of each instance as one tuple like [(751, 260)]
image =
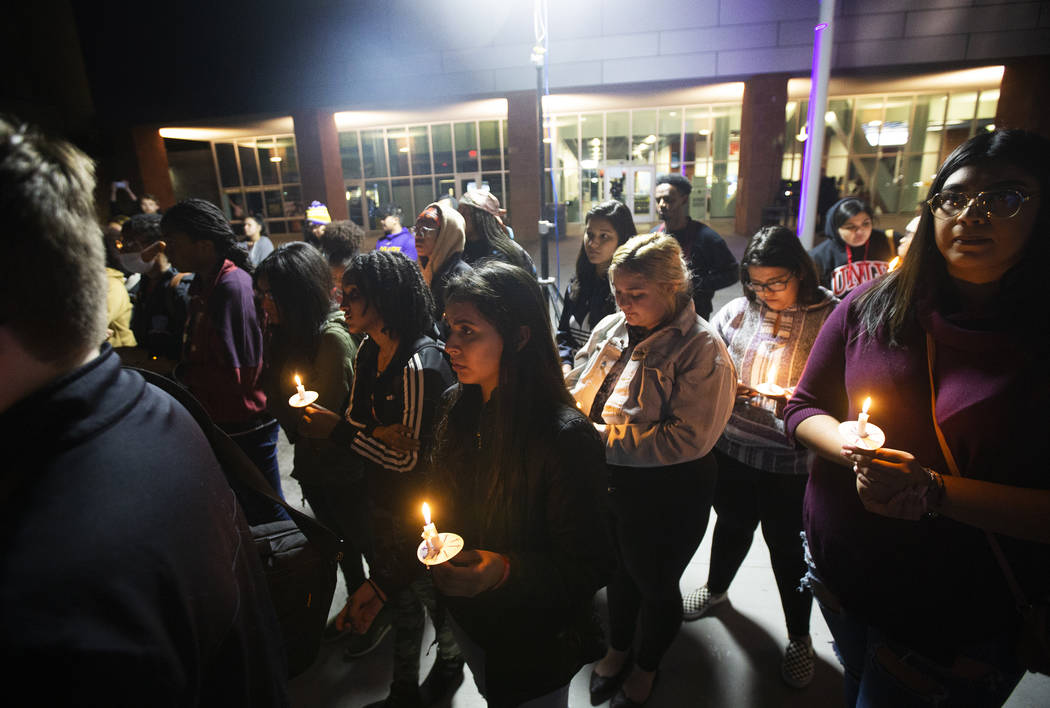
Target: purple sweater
[(932, 584)]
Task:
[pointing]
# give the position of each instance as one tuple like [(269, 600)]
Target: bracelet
[(933, 495)]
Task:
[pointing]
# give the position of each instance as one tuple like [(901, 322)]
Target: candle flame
[(866, 406), (894, 263), (298, 381), (426, 514)]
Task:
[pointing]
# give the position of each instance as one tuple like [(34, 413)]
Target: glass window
[(354, 195), (289, 165), (249, 167), (350, 155), (397, 150), (293, 202), (495, 184), (446, 185), (274, 204), (422, 194), (643, 131), (466, 142), (376, 193), (669, 142), (254, 201), (567, 142), (506, 153), (401, 194), (491, 154), (233, 205), (698, 129), (617, 142), (373, 153), (226, 156), (268, 159), (986, 106), (279, 227), (420, 150), (441, 136)]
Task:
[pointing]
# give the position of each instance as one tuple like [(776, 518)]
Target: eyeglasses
[(423, 231), (773, 286), (994, 204)]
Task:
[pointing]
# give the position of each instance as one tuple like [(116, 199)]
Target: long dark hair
[(530, 388), (891, 303), (622, 221), (203, 221), (779, 247), (393, 285), (300, 285), (492, 232)]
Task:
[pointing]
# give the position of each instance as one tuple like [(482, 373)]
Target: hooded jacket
[(843, 267)]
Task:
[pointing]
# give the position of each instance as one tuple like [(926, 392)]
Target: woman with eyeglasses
[(440, 240), (761, 476), (588, 298), (854, 252), (915, 545), (658, 384)]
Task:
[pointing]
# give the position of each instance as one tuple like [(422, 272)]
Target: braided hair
[(203, 221)]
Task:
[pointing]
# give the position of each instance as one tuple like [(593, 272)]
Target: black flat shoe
[(621, 700), (604, 687)]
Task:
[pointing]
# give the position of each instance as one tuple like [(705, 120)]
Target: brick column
[(523, 166), (320, 168), (761, 148), (1023, 100), (152, 158)]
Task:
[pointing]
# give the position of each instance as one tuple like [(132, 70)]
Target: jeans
[(744, 497), (260, 445), (880, 672)]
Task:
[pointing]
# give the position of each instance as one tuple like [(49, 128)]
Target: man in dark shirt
[(709, 259), (126, 576)]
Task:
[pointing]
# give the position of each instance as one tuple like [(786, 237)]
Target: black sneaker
[(361, 644), (400, 697), (443, 681)]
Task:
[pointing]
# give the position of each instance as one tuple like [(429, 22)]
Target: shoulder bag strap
[(953, 467), (236, 463)]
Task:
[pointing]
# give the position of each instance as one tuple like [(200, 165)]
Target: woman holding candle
[(400, 374), (519, 474), (588, 298), (658, 384), (761, 477), (307, 341), (906, 540)]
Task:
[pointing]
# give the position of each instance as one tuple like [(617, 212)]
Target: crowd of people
[(570, 458)]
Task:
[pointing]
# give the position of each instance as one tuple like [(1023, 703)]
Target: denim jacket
[(672, 399)]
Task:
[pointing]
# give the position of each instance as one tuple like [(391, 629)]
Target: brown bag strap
[(949, 458)]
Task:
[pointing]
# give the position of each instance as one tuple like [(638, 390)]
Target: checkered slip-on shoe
[(697, 603), (798, 664)]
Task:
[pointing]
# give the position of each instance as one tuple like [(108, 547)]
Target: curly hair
[(300, 283), (341, 241), (203, 221), (680, 183), (141, 229), (393, 285)]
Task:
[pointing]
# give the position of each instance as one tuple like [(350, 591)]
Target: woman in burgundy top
[(901, 548)]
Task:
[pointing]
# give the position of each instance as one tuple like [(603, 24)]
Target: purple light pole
[(818, 105)]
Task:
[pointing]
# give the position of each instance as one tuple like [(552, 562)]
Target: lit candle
[(300, 388), (862, 419), (430, 533), (768, 387), (894, 263)]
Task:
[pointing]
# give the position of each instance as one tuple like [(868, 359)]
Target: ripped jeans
[(878, 671)]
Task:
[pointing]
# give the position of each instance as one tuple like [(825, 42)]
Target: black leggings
[(658, 517), (745, 496)]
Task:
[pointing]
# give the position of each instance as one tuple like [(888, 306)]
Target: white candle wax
[(430, 532), (862, 420)]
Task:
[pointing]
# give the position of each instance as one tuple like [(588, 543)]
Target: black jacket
[(711, 264), (539, 628)]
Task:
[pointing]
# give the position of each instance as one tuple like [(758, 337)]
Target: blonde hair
[(658, 259)]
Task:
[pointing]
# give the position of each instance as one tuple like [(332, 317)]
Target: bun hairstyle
[(658, 259)]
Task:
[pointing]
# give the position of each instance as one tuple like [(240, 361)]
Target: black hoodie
[(843, 267)]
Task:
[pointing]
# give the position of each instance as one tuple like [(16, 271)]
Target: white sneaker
[(699, 601), (798, 665)]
